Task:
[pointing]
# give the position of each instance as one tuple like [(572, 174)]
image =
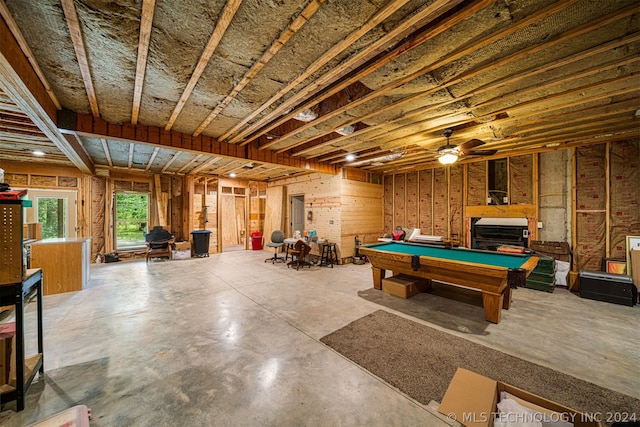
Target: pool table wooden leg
[(492, 304), (378, 275), (506, 302)]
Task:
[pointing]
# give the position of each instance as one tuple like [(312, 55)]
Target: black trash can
[(201, 242)]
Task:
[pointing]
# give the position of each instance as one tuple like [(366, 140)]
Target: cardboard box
[(77, 416), (472, 400), (404, 286), (182, 246), (181, 254), (7, 350)]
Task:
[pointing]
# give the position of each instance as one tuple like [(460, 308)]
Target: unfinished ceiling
[(214, 87)]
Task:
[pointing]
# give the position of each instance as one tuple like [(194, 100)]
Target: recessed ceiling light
[(233, 175), (350, 157), (346, 130), (38, 153), (306, 116)]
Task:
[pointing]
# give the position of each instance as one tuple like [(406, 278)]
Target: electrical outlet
[(539, 224), (505, 200)]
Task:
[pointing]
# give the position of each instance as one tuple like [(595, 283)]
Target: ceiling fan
[(448, 154)]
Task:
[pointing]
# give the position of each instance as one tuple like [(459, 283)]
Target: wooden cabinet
[(65, 263), (16, 283)]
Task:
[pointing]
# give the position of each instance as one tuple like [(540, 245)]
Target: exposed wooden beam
[(146, 22), (400, 50), (152, 158), (4, 12), (190, 163), (170, 162), (75, 31), (206, 164), (130, 161), (311, 8), (107, 154), (223, 23), (85, 124), (509, 80), (429, 10), (22, 85)]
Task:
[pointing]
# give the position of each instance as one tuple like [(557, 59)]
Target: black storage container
[(201, 242), (609, 287)]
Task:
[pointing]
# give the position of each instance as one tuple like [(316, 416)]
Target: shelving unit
[(16, 285)]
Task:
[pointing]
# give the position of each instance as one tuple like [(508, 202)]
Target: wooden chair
[(159, 243), (298, 254)]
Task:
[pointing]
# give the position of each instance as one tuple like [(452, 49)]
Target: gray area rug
[(421, 361), (447, 306)]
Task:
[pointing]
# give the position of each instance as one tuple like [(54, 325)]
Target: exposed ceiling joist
[(81, 53)]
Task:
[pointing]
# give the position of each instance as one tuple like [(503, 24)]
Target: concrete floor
[(232, 341)]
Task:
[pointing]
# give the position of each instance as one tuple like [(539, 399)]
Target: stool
[(329, 255)]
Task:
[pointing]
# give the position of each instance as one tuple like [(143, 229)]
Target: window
[(55, 210), (52, 214), (131, 220)]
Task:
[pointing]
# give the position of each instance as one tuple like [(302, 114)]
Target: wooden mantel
[(501, 211)]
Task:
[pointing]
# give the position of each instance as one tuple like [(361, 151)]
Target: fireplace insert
[(489, 233)]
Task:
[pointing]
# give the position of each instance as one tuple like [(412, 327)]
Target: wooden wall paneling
[(412, 200), (274, 211), (229, 224), (198, 212), (590, 247), (361, 213), (388, 203), (425, 207), (440, 202), (215, 217), (323, 195), (624, 194), (399, 200)]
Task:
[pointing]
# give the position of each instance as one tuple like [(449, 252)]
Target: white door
[(56, 210), (297, 214)]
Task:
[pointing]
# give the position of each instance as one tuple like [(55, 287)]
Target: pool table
[(486, 271)]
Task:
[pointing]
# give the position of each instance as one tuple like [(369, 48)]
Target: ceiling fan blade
[(472, 143), (480, 152)]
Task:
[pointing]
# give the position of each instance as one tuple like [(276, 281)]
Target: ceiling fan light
[(448, 158)]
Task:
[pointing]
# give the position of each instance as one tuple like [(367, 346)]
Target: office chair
[(277, 241)]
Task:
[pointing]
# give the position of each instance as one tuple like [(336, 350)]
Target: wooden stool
[(329, 255)]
